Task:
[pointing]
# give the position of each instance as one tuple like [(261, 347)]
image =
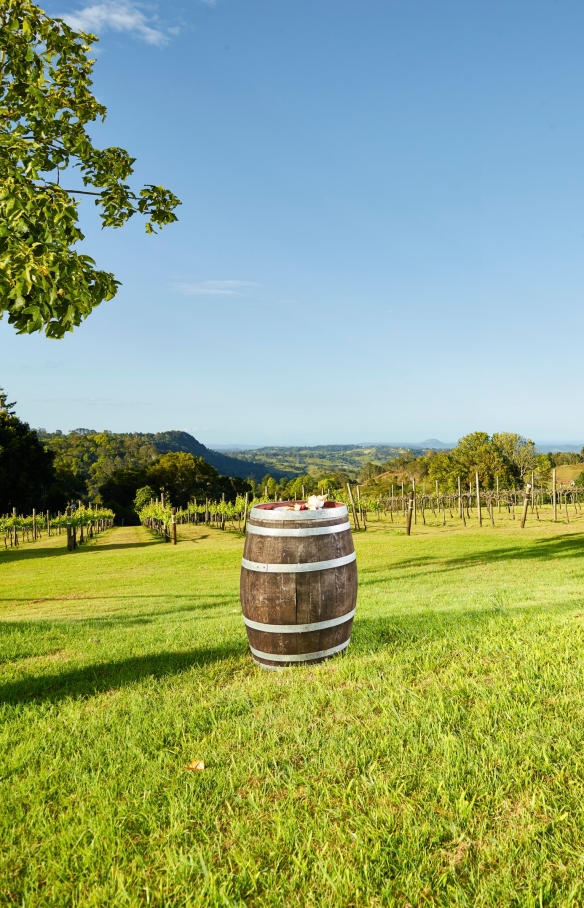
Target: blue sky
[(381, 233)]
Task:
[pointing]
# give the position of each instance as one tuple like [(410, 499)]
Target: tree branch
[(62, 188), (79, 191)]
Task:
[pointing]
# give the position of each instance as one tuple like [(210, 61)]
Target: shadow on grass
[(220, 598), (89, 680), (98, 546), (370, 636), (149, 542), (534, 550), (93, 547), (18, 626), (16, 634)]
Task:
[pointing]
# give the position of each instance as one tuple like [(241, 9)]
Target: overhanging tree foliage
[(45, 104)]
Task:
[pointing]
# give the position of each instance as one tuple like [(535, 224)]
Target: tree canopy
[(520, 451), (26, 468), (45, 104), (180, 475), (504, 457)]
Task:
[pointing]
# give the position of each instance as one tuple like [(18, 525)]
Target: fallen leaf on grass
[(196, 765)]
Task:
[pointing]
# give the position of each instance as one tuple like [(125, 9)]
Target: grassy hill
[(321, 459), (568, 472), (441, 762)]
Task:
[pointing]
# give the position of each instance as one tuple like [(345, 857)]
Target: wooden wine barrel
[(298, 583)]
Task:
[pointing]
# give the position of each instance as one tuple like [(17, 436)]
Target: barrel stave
[(297, 550), (299, 644), (269, 598), (298, 598)]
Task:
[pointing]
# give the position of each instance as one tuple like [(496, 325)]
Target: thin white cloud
[(119, 16), (90, 401), (216, 288)]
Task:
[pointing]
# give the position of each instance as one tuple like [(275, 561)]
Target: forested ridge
[(109, 467), (93, 456)]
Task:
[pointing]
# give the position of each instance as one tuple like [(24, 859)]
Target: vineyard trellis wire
[(460, 504), (363, 507)]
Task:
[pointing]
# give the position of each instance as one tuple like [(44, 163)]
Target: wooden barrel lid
[(276, 511)]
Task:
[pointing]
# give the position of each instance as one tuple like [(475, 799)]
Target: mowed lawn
[(441, 762)]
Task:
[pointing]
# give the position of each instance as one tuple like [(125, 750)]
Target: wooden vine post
[(245, 513), (411, 503), (353, 508), (414, 497), (173, 525), (554, 495), (479, 512), (70, 541), (525, 504)]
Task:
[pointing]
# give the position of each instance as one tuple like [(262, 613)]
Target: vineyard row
[(79, 524), (163, 519)]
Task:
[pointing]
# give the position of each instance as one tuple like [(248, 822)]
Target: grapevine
[(16, 527)]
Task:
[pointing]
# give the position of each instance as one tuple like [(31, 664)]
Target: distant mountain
[(430, 444), (225, 465), (543, 447), (233, 447), (436, 445)]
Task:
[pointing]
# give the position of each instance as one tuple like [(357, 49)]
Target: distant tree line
[(178, 476), (27, 473), (505, 457)]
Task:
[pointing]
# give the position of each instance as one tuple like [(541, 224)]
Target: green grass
[(441, 762)]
